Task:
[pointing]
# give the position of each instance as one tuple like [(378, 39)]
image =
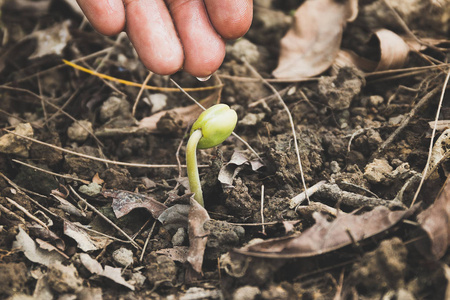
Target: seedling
[(212, 127)]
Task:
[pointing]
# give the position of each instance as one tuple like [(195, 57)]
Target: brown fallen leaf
[(326, 236), (393, 51), (198, 237), (125, 201), (435, 221), (312, 43)]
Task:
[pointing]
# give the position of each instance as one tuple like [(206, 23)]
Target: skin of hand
[(170, 35)]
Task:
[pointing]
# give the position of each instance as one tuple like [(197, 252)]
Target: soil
[(59, 209)]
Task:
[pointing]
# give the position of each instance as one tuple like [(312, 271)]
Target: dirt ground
[(94, 199)]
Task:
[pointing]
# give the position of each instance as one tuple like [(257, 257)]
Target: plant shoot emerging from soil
[(212, 127)]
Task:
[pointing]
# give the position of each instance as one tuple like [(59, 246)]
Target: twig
[(12, 214), (105, 218), (26, 212), (425, 170), (332, 192), (291, 121), (262, 210), (146, 241), (141, 90), (20, 190), (107, 161), (50, 172)]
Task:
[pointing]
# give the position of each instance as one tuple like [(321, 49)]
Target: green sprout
[(212, 127)]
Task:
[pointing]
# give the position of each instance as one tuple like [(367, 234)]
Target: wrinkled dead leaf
[(435, 221), (393, 52), (34, 253), (109, 272), (326, 236), (198, 237), (183, 115), (236, 164), (312, 43), (125, 201), (84, 241)]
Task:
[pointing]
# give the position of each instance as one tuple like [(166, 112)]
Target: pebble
[(123, 256), (246, 293), (378, 171), (79, 131)]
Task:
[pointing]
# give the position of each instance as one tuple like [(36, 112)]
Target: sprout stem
[(191, 162)]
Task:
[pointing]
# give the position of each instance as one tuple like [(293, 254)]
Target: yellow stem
[(191, 164)]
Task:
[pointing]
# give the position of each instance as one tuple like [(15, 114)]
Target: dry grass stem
[(26, 212), (50, 172), (106, 161), (141, 90), (291, 121), (433, 134)]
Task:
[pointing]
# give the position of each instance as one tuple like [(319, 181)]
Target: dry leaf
[(124, 202), (237, 163), (327, 236), (393, 52), (311, 45), (85, 241), (34, 253), (435, 222), (440, 152), (198, 237), (115, 274)]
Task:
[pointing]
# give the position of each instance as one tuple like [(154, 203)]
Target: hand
[(173, 34)]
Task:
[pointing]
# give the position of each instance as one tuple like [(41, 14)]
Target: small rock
[(158, 102), (162, 269), (137, 279), (79, 131), (93, 189), (123, 257), (179, 237), (252, 119), (334, 167), (246, 293), (378, 171), (13, 144), (375, 100), (244, 48), (114, 107)]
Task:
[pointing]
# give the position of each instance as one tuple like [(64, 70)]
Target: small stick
[(438, 112), (50, 172), (105, 218), (26, 212), (93, 157), (146, 241), (291, 120), (262, 210), (141, 90), (12, 214)]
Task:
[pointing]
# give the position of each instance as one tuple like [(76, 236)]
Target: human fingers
[(204, 49), (230, 18), (106, 16), (151, 30)]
